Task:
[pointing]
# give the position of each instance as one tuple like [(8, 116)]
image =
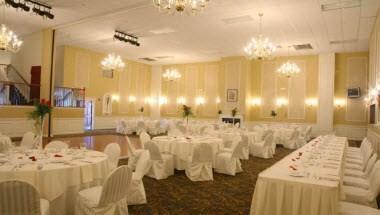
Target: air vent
[(238, 19), (327, 5), (339, 42), (303, 47), (148, 59)]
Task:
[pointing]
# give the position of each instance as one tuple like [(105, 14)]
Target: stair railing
[(69, 97)]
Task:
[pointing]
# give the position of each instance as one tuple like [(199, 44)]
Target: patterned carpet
[(224, 195)]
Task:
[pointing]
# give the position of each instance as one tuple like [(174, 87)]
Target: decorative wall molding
[(68, 126), (352, 132), (16, 127)]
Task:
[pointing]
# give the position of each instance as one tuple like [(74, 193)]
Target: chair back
[(123, 123), (202, 153), (144, 138), (5, 144), (374, 182), (154, 151), (115, 186), (174, 132), (142, 165), (131, 149), (244, 140), (19, 198), (371, 163), (237, 150), (57, 144), (268, 140), (28, 140), (113, 151), (294, 135)]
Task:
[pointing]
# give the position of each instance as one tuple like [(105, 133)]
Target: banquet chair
[(5, 144), (144, 138), (359, 173), (113, 151), (182, 129), (244, 150), (21, 198), (355, 150), (228, 162), (136, 190), (307, 135), (199, 166), (365, 196), (140, 127), (133, 153), (110, 198), (162, 164), (359, 163), (57, 144), (346, 208), (263, 149), (290, 141), (363, 180), (28, 140)]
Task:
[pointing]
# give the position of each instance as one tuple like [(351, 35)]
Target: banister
[(22, 78)]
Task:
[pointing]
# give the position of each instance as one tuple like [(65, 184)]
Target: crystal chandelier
[(180, 6), (112, 62), (261, 47), (289, 68), (8, 40), (172, 75)]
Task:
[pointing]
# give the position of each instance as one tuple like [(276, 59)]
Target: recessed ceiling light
[(166, 30)]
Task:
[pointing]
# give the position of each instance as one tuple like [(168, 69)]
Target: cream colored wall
[(351, 70), (82, 69)]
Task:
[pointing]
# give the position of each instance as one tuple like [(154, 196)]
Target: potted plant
[(41, 109), (233, 113), (273, 114), (186, 112)]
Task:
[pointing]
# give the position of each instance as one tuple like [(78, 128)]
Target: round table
[(58, 176)]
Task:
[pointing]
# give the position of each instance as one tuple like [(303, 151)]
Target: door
[(89, 115)]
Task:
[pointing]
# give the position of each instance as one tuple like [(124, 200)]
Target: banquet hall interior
[(260, 107)]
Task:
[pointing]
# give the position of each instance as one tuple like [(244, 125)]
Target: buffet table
[(307, 181), (57, 175)]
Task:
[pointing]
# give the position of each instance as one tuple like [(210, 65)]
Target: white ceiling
[(206, 36)]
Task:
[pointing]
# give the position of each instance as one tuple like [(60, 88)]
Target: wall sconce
[(217, 100), (200, 100), (256, 102), (281, 102), (132, 99), (311, 102), (373, 92), (162, 100), (181, 100), (115, 97), (148, 100), (339, 103)]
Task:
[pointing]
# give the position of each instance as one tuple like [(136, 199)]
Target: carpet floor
[(225, 195)]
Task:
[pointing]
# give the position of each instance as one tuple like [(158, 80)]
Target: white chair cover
[(244, 152), (362, 182), (5, 144), (173, 132), (144, 138), (263, 149), (136, 191), (359, 173), (133, 154), (199, 166), (140, 127), (58, 145), (227, 162), (113, 151), (162, 164), (21, 198), (111, 198), (28, 140), (290, 142), (346, 208)]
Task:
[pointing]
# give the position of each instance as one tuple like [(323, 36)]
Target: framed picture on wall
[(232, 95)]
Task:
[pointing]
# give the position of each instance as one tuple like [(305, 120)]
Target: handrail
[(22, 78), (13, 83), (72, 88)]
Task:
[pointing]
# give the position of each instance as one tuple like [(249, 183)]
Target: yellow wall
[(341, 85), (135, 74), (311, 70)]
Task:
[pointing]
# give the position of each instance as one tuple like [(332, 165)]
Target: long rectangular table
[(307, 181)]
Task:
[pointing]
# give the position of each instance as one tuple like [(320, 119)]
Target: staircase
[(14, 89)]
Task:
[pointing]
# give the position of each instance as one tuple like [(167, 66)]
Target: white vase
[(39, 142)]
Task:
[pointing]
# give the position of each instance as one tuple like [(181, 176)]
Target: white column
[(325, 115), (155, 92)]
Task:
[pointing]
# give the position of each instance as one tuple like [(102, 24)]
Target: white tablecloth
[(183, 147), (316, 191), (60, 178)]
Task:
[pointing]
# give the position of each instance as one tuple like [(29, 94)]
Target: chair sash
[(28, 140)]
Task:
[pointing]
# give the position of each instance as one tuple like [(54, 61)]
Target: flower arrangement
[(234, 112), (141, 110), (220, 112), (41, 109), (273, 113), (186, 112)]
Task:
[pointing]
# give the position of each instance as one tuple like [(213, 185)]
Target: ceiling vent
[(327, 5), (148, 59), (238, 19), (306, 46), (339, 42)]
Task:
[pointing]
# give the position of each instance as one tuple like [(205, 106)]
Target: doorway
[(89, 115)]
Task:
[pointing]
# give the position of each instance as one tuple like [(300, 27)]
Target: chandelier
[(261, 47), (8, 40), (172, 75), (112, 62), (289, 69), (180, 6)]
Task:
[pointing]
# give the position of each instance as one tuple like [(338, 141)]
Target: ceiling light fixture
[(8, 40), (289, 68), (39, 8), (180, 6), (124, 37), (172, 75), (112, 62), (260, 48)]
